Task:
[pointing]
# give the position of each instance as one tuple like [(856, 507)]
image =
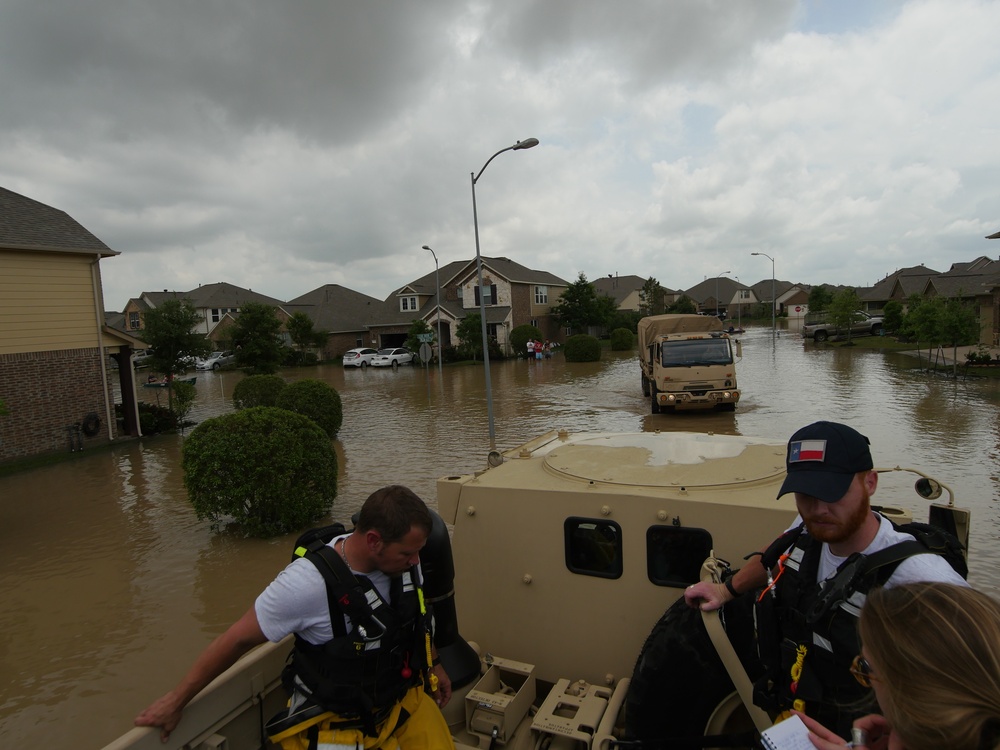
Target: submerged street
[(111, 585)]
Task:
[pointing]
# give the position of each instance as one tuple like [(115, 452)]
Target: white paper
[(790, 734)]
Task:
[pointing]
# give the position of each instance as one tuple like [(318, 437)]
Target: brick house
[(513, 294), (212, 301), (58, 359)]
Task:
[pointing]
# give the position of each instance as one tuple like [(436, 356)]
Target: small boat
[(165, 383)]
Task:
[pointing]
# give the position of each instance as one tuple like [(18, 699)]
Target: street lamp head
[(426, 247), (755, 253), (526, 143)]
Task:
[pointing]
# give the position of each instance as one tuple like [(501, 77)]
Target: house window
[(460, 290), (491, 330), (408, 303), (218, 312), (541, 295), (489, 292), (133, 321), (534, 322)]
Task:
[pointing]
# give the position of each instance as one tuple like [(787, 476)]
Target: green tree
[(582, 348), (581, 306), (923, 321), (302, 332), (892, 316), (622, 339), (183, 399), (683, 306), (652, 298), (256, 338), (959, 326), (469, 334), (169, 331), (520, 335), (257, 390), (269, 470), (844, 310), (820, 298), (316, 400), (417, 327)]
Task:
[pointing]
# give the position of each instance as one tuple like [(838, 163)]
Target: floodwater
[(111, 586)]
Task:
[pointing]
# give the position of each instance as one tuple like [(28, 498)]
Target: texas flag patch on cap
[(807, 450)]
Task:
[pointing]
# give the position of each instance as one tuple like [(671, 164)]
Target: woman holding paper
[(931, 653)]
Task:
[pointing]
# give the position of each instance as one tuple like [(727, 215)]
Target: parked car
[(392, 357), (215, 360), (141, 357), (359, 357), (817, 326)]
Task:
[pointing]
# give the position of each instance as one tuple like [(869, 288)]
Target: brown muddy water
[(111, 586)]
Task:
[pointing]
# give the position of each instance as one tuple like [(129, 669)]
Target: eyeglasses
[(862, 671)]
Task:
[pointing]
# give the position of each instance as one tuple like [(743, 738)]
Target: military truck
[(687, 362), (563, 552)]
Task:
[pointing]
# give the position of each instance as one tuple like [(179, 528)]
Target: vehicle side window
[(593, 547), (674, 555)]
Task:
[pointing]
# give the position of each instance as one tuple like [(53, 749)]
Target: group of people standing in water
[(539, 349)]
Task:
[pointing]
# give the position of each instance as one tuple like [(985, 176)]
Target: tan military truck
[(687, 362), (562, 555)]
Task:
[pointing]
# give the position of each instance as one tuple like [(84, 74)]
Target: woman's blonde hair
[(935, 651)]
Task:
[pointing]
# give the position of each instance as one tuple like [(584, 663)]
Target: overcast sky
[(284, 145)]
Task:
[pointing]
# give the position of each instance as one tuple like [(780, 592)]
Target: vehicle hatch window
[(593, 547), (674, 555)]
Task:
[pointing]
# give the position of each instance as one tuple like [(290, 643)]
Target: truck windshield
[(696, 352)]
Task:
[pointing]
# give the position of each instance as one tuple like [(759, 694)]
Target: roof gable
[(27, 224)]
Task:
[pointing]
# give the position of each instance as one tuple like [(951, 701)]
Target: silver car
[(392, 357), (215, 360), (359, 357)]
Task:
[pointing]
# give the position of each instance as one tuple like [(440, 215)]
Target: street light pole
[(717, 292), (774, 328), (519, 146), (437, 297)]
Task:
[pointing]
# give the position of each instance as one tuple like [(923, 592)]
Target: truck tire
[(678, 680), (645, 386), (820, 336), (654, 404)]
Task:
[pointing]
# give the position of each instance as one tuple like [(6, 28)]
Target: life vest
[(807, 631), (361, 674)]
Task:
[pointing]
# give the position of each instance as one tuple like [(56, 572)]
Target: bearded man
[(815, 578)]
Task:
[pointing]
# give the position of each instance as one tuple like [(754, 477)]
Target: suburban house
[(626, 291), (513, 295), (338, 311), (57, 379), (212, 301)]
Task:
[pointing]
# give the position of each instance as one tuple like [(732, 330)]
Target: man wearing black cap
[(815, 578)]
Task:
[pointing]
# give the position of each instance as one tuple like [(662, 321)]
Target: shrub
[(183, 398), (257, 390), (316, 400), (582, 348), (519, 338), (621, 340), (152, 418), (266, 469)]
